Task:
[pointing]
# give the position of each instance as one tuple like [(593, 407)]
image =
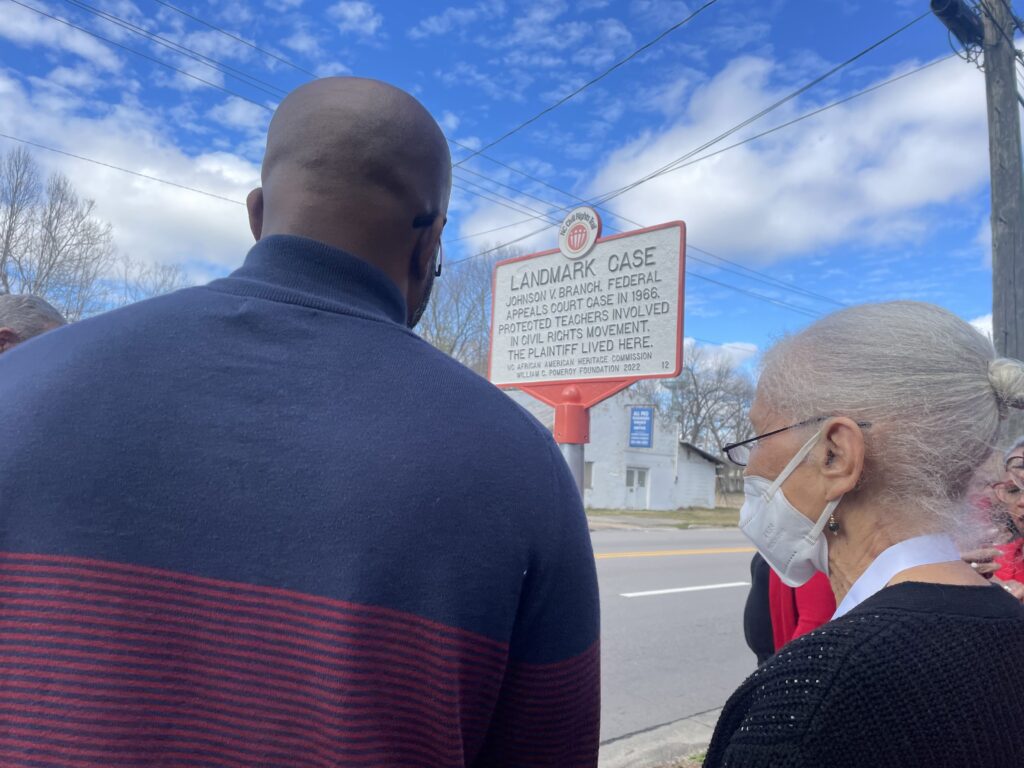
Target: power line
[(752, 294), (750, 274), (521, 209), (268, 88), (808, 115), (607, 196), (747, 140), (499, 246), (142, 55), (1018, 55), (761, 278), (255, 47), (671, 166), (457, 261), (773, 281), (119, 168), (755, 295), (784, 100), (1013, 16), (591, 82)]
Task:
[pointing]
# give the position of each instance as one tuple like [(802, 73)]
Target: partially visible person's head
[(361, 166), (24, 316), (1009, 490), (926, 382)]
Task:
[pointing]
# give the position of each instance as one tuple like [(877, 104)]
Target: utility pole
[(992, 29)]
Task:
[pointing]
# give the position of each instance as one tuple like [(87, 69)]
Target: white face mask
[(793, 546)]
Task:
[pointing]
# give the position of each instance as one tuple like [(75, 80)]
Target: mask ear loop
[(826, 515), (793, 464)]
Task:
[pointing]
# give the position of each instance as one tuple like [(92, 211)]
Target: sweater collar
[(298, 270)]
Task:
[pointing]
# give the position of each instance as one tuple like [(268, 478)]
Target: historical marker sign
[(607, 308)]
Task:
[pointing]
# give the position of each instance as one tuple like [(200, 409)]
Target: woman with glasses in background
[(1010, 515), (871, 425)]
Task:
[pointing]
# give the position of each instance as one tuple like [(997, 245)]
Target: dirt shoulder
[(720, 517)]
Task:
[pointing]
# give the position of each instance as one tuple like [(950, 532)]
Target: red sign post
[(575, 325)]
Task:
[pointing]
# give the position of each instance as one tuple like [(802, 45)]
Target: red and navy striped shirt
[(262, 523)]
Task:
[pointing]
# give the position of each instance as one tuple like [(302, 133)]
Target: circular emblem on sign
[(579, 232)]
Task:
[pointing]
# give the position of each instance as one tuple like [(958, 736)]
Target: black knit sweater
[(919, 675)]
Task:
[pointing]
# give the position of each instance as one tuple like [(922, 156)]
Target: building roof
[(704, 454)]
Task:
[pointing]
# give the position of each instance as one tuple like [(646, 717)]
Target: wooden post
[(1007, 189)]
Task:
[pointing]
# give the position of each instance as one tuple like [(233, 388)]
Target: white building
[(621, 472)]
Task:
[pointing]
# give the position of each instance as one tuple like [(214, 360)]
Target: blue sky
[(883, 197)]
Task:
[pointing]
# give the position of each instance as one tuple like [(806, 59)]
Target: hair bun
[(1007, 378)]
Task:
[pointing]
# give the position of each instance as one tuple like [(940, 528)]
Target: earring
[(833, 524)]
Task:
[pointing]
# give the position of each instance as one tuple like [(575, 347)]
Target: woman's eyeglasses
[(1008, 493), (739, 453)]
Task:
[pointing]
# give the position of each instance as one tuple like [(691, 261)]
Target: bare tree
[(20, 193), (710, 401), (52, 243), (144, 281), (458, 319)]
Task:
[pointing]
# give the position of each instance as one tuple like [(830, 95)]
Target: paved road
[(669, 656)]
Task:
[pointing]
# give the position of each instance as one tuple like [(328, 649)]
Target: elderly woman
[(1010, 495), (871, 423)]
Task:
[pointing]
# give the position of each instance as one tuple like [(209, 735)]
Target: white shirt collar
[(920, 550)]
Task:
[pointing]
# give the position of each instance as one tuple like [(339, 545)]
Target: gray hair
[(926, 380), (1017, 445), (27, 316)]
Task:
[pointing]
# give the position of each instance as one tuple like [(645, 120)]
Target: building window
[(588, 475)]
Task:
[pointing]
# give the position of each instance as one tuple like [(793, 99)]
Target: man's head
[(22, 317), (361, 166)]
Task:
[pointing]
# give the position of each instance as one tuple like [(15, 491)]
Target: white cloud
[(737, 352), (454, 18), (609, 38), (471, 143), (536, 27), (332, 69), (302, 42), (984, 325), (532, 59), (81, 78), (238, 114), (152, 222), (509, 86), (356, 16), (236, 13), (661, 12), (26, 28), (449, 121), (863, 171)]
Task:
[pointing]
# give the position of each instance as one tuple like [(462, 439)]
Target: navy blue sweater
[(260, 522)]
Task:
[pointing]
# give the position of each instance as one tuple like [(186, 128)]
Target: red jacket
[(1012, 561), (796, 611)]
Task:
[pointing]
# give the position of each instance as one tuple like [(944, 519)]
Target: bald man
[(261, 522)]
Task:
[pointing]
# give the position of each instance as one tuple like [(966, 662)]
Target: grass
[(719, 517)]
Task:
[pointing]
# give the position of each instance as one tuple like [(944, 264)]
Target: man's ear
[(8, 339), (843, 462), (254, 204), (422, 259)]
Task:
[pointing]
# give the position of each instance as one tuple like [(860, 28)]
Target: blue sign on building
[(641, 423)]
